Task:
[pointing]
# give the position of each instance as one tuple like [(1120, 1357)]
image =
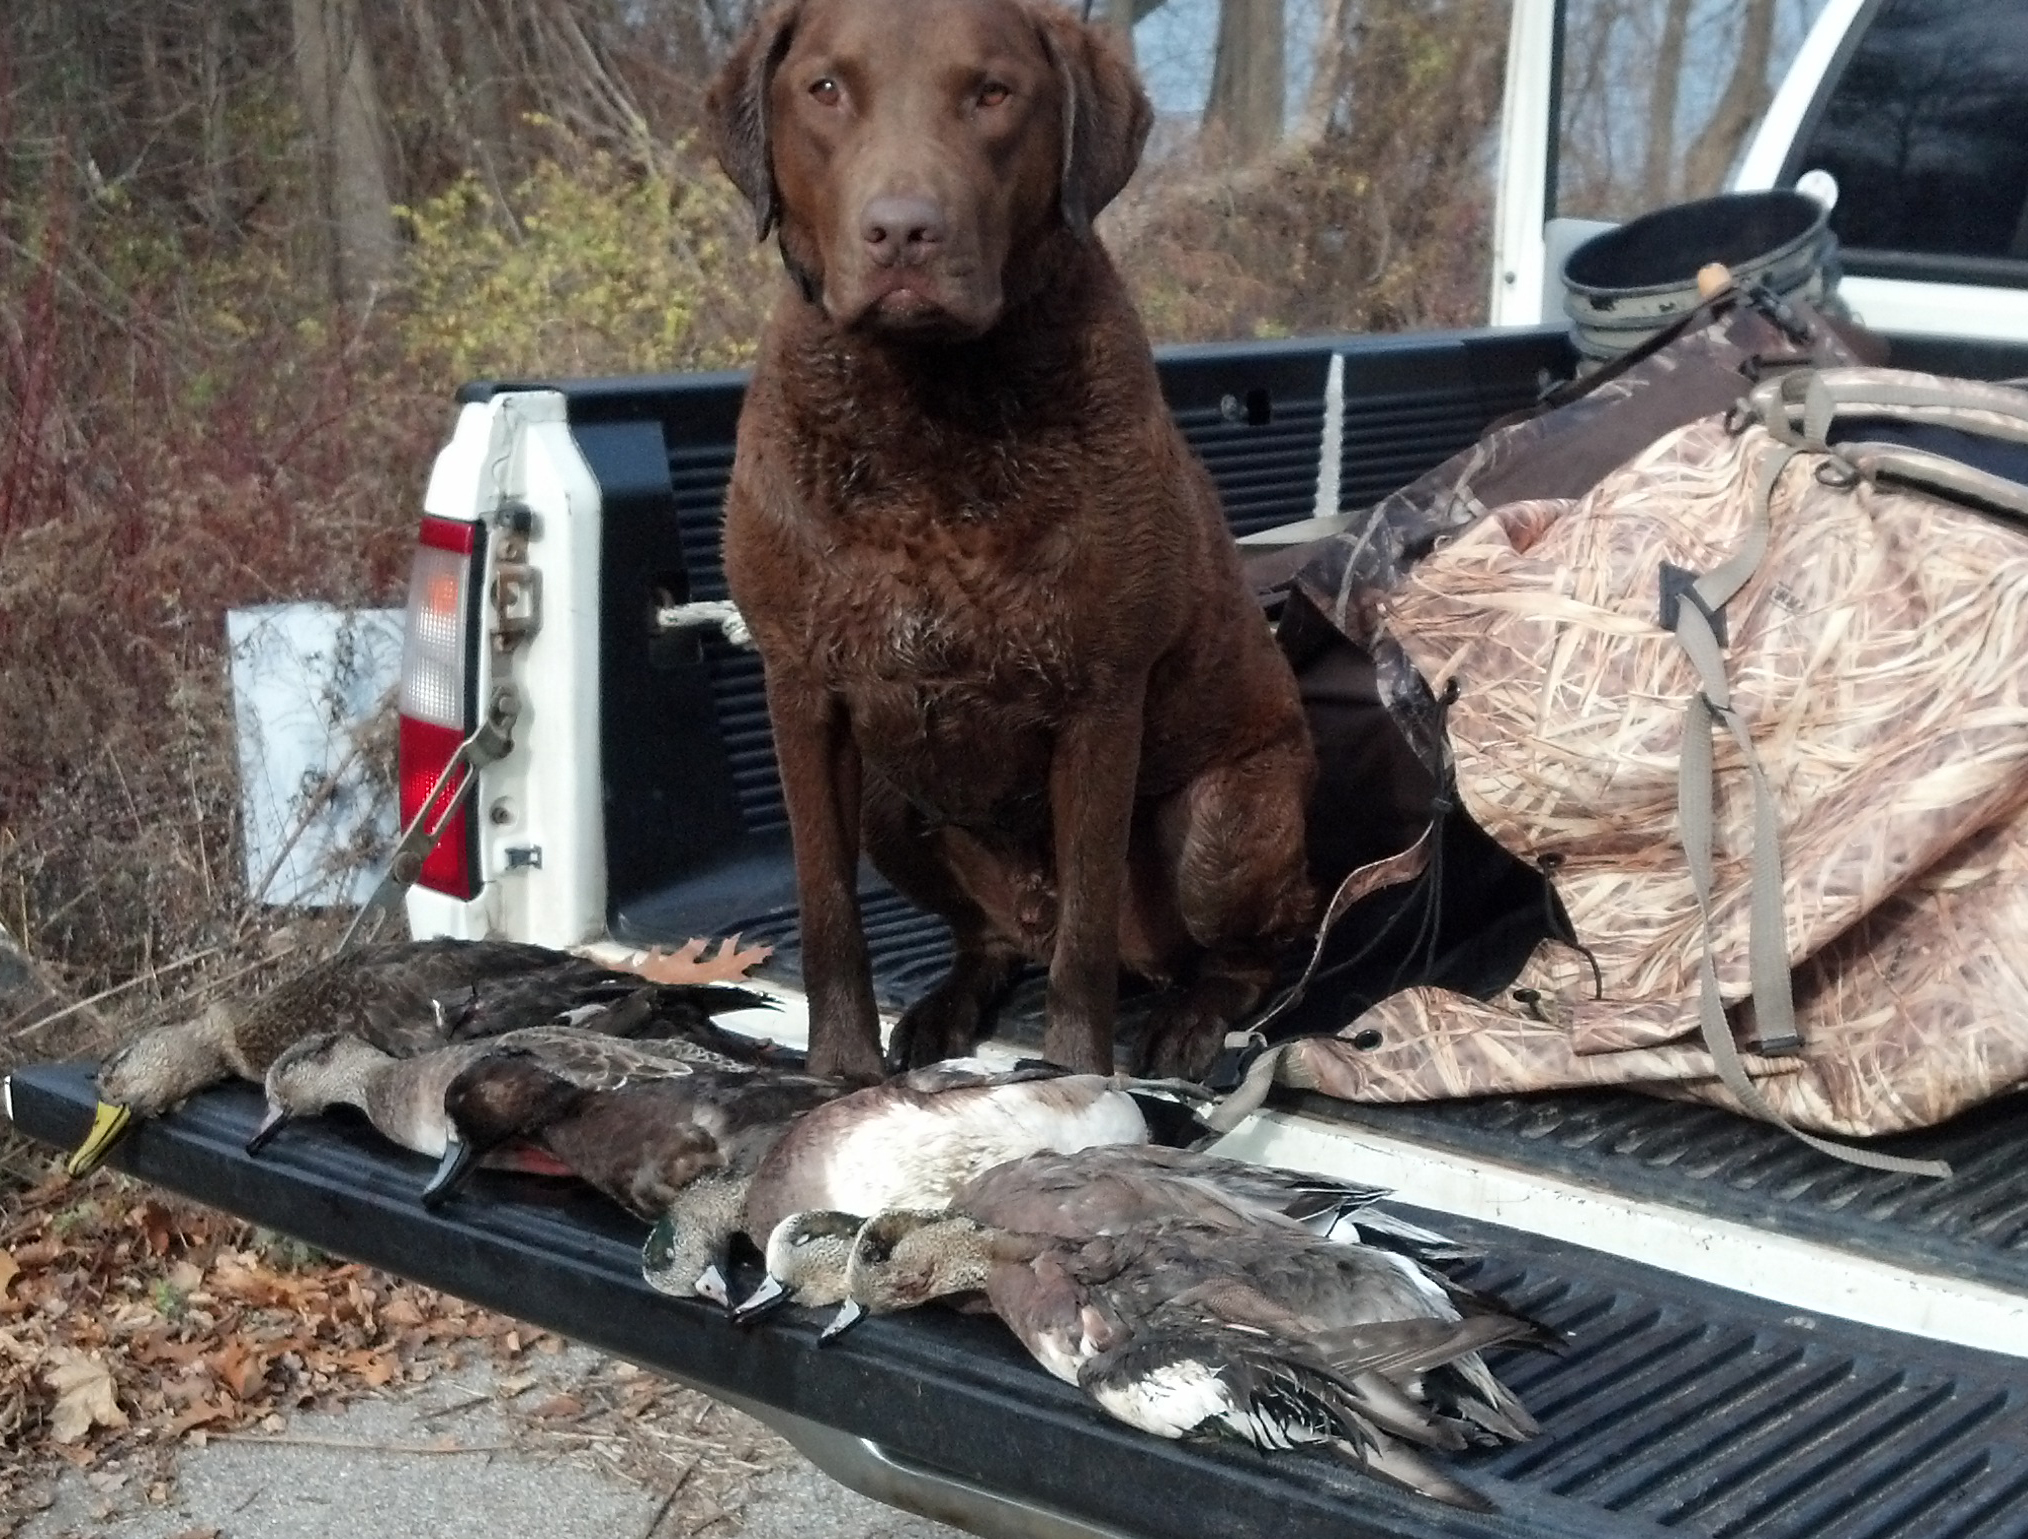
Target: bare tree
[(1327, 74), (1746, 96), (1120, 15), (341, 109), (1658, 171), (1243, 116)]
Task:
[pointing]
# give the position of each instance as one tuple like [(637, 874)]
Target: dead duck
[(1272, 1335), (403, 997), (684, 1147), (1110, 1189), (380, 991), (404, 1097), (808, 1255), (914, 1140)]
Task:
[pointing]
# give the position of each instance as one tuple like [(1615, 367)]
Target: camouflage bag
[(1755, 701)]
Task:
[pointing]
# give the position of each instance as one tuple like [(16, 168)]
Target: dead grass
[(162, 467)]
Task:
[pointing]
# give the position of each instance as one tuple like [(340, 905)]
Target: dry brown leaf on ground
[(9, 1270), (689, 963), (84, 1395)]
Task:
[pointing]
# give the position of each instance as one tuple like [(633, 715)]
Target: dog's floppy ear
[(1106, 114), (737, 109)]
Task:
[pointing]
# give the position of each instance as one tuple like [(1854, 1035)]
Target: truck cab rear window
[(1926, 131)]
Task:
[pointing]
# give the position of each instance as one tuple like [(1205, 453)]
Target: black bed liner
[(1678, 1408)]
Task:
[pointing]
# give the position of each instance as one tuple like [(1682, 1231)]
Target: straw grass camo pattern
[(1922, 1010), (1878, 654)]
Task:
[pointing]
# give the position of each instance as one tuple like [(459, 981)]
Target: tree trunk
[(1243, 118), (1327, 78), (341, 109), (482, 68), (1658, 175), (1119, 15), (1746, 96), (217, 200), (436, 68)]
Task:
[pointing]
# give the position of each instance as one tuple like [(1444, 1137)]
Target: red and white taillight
[(439, 697)]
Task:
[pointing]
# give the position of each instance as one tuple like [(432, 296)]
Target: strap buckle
[(1680, 583)]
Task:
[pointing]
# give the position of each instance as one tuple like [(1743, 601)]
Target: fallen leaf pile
[(130, 1320), (701, 1456)]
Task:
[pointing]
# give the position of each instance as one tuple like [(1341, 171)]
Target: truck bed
[(1680, 1407), (1677, 1408), (691, 742)]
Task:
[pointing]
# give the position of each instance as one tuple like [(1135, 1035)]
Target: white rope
[(722, 613), (1331, 451)]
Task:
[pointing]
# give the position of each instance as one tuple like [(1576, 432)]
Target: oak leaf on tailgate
[(689, 963)]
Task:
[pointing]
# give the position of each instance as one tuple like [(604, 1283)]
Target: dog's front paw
[(1182, 1037), (856, 1062), (944, 1023)]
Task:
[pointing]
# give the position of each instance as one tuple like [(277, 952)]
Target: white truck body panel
[(540, 810)]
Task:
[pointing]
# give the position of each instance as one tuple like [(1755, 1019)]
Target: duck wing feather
[(1173, 1381)]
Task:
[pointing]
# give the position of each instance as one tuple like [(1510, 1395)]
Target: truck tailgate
[(1678, 1408)]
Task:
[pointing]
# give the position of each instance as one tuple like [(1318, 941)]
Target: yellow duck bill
[(109, 1125)]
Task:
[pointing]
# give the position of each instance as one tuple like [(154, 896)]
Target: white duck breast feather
[(894, 1146)]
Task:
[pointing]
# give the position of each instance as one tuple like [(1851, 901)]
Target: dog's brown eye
[(826, 91), (993, 95)]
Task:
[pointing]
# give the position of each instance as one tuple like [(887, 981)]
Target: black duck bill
[(110, 1124), (276, 1119), (850, 1313), (762, 1302), (456, 1167)]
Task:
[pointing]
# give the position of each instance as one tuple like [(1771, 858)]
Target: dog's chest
[(962, 609)]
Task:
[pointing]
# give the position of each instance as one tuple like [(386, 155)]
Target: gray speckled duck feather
[(404, 1097), (1268, 1332)]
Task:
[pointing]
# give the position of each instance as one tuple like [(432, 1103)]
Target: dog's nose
[(901, 229)]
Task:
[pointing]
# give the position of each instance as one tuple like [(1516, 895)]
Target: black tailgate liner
[(1975, 1225), (1679, 1408)]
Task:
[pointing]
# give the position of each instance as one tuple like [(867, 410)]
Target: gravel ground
[(473, 1456)]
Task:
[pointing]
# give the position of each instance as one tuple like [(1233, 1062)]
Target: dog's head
[(914, 152)]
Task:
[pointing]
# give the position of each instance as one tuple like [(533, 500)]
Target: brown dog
[(1007, 642)]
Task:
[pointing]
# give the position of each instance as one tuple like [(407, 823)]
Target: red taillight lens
[(425, 750), (436, 694)]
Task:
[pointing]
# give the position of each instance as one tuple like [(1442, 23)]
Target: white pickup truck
[(1763, 1341)]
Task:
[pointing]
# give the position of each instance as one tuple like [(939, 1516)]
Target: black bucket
[(1622, 286)]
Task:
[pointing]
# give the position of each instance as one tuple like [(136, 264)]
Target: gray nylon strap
[(1939, 473), (1799, 407), (1773, 997), (1250, 1094)]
